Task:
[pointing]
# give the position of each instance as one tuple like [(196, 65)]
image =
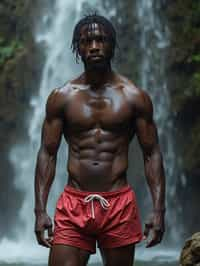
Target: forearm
[(155, 176), (44, 176)]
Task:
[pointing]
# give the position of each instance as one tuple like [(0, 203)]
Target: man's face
[(94, 46)]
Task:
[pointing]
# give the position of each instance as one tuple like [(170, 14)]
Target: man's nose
[(94, 47)]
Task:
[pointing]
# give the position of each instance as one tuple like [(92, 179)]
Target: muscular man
[(98, 114)]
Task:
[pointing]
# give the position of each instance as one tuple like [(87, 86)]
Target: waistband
[(82, 193)]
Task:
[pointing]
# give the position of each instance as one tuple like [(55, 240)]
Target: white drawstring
[(104, 203)]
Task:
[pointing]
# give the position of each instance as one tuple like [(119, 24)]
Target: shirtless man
[(98, 113)]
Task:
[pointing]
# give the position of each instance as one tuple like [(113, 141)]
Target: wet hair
[(87, 21)]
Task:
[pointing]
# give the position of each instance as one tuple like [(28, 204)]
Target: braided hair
[(87, 21)]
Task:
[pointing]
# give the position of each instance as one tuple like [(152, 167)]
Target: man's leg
[(118, 256), (63, 255)]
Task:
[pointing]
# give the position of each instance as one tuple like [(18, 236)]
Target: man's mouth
[(95, 57)]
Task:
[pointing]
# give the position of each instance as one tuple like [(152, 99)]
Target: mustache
[(95, 55)]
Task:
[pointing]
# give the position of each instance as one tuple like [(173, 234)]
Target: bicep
[(53, 123), (146, 132)]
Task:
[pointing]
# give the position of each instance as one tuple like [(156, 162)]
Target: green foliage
[(8, 50), (192, 151), (195, 58), (197, 78), (196, 84)]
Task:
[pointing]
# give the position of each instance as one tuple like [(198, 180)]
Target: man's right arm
[(46, 165)]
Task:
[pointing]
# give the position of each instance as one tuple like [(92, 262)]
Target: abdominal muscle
[(99, 167)]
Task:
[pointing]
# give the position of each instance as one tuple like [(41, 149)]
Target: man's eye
[(102, 39), (99, 39), (85, 41)]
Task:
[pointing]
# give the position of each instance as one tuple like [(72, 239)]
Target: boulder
[(190, 255)]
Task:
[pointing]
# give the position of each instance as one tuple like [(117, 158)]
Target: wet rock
[(190, 255)]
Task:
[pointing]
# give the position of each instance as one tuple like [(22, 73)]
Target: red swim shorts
[(110, 218)]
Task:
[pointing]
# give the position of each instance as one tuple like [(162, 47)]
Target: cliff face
[(184, 69), (184, 84), (20, 67)]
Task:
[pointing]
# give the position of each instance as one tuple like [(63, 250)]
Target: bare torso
[(98, 126)]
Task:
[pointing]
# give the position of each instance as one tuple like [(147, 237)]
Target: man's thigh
[(63, 255), (118, 256)]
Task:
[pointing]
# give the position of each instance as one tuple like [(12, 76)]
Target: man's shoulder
[(61, 94), (136, 95), (57, 99)]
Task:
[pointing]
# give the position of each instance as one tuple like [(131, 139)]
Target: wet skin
[(98, 114), (98, 132)]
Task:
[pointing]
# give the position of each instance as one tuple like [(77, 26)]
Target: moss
[(8, 50), (196, 84), (195, 58), (191, 150)]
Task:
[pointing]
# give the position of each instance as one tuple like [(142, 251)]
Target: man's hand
[(154, 229), (42, 223)]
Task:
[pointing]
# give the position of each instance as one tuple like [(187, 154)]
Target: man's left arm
[(148, 138)]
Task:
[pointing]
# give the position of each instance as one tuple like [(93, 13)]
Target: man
[(98, 113)]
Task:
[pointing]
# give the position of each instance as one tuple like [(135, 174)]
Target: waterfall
[(154, 38)]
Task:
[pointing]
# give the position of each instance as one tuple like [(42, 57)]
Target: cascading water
[(154, 39)]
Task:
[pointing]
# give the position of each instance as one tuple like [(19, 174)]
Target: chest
[(105, 111)]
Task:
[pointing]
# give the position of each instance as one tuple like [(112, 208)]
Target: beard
[(97, 65)]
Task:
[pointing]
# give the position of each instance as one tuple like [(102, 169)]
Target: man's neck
[(96, 78)]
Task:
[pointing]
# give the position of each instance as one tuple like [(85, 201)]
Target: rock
[(190, 255)]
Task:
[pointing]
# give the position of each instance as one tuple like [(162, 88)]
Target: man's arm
[(46, 165), (147, 135)]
